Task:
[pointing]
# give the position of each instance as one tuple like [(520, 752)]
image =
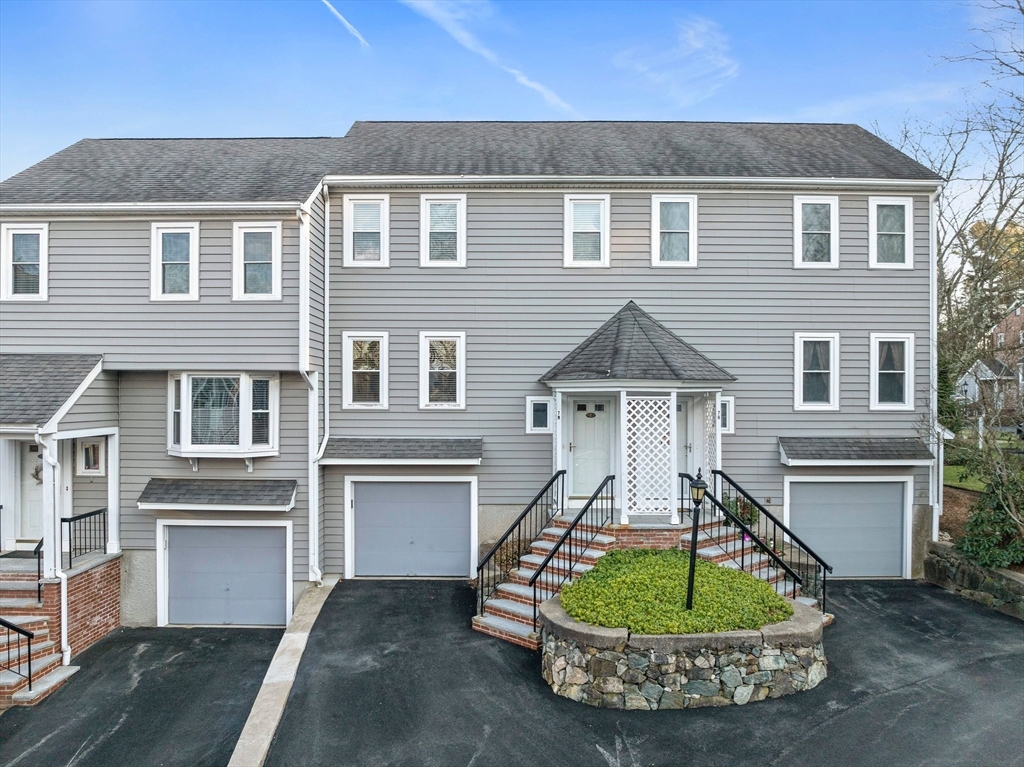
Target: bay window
[(222, 414)]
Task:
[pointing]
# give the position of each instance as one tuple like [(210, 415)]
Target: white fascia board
[(651, 181), (19, 429), (401, 461), (836, 462), (147, 206), (51, 425)]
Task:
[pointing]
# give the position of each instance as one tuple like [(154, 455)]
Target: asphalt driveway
[(393, 675), (146, 697)]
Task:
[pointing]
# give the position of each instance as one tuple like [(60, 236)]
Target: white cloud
[(851, 106), (452, 15), (352, 30), (693, 70)]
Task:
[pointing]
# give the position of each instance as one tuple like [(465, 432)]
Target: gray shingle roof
[(855, 448), (34, 386), (374, 448), (633, 345), (696, 149), (219, 492), (176, 170), (998, 368)]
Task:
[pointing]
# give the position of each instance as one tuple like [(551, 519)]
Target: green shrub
[(645, 591), (994, 535)]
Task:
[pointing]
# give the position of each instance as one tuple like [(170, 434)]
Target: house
[(998, 379), (284, 357)]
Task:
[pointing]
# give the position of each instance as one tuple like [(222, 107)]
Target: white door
[(590, 445), (684, 439), (31, 511)]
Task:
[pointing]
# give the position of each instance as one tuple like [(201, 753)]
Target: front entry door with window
[(590, 445), (31, 511)]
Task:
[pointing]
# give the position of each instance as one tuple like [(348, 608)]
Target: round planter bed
[(614, 668)]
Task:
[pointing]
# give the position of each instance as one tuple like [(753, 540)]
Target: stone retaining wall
[(611, 668), (1002, 589)]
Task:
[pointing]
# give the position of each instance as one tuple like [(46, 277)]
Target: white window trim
[(530, 428), (7, 261), (348, 258), (798, 229), (460, 393), (238, 260), (460, 239), (245, 448), (656, 201), (798, 372), (155, 270), (908, 376), (731, 401), (873, 203), (347, 337), (80, 469), (606, 204)]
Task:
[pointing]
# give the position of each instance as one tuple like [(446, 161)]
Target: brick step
[(20, 604), (558, 564), (510, 631), (18, 577), (517, 592), (44, 686), (40, 646), (548, 580), (11, 682), (600, 542), (564, 522), (33, 623), (510, 610), (12, 639), (588, 555)]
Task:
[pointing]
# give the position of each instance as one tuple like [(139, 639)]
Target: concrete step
[(549, 580), (31, 623), (809, 601), (510, 631), (40, 666), (544, 547), (564, 522), (20, 603), (520, 593), (20, 587), (601, 541), (44, 686), (510, 610), (559, 563), (11, 640)]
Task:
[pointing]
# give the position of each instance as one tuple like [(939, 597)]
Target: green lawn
[(954, 477)]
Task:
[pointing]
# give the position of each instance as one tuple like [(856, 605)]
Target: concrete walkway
[(392, 675)]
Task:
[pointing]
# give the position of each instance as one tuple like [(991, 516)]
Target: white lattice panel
[(649, 470), (710, 434)]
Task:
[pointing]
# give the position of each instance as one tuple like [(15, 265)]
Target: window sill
[(815, 408), (36, 298), (442, 407), (266, 298), (815, 265), (194, 453), (350, 406), (165, 299), (891, 408), (674, 264), (892, 267)]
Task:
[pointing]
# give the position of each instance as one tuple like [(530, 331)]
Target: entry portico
[(637, 401)]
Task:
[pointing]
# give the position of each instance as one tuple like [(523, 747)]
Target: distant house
[(998, 380)]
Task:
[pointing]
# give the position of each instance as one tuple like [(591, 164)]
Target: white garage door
[(857, 527), (227, 575), (412, 528)]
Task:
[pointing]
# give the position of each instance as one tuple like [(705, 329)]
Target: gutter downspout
[(935, 479), (54, 464)]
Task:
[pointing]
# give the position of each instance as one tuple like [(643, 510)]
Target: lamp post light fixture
[(697, 489)]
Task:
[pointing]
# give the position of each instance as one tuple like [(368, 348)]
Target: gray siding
[(522, 312), (88, 493), (144, 456), (99, 288), (97, 407)]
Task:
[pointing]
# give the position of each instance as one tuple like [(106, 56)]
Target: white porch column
[(51, 523), (113, 493), (673, 436), (620, 475)]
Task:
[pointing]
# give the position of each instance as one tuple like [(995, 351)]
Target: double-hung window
[(23, 260), (674, 230), (365, 219), (443, 230), (586, 230), (890, 243), (443, 371), (256, 261), (174, 270), (892, 371), (816, 371), (218, 414), (816, 232), (365, 367)]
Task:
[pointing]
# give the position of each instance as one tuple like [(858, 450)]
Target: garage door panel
[(227, 575), (857, 527), (412, 528)]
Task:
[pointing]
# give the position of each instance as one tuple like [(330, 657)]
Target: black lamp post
[(697, 488)]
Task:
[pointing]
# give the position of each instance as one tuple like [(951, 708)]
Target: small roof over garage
[(422, 451), (35, 387), (853, 451), (219, 494)]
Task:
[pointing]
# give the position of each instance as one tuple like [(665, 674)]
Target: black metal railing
[(38, 551), (504, 555), (560, 564), (813, 570), (14, 658), (85, 533), (747, 549)]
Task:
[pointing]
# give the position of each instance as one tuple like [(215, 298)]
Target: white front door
[(684, 436), (31, 511), (590, 445)]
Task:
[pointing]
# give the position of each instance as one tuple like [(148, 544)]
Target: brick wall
[(627, 537), (94, 605)]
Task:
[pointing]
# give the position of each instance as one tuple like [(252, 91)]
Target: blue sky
[(145, 68)]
